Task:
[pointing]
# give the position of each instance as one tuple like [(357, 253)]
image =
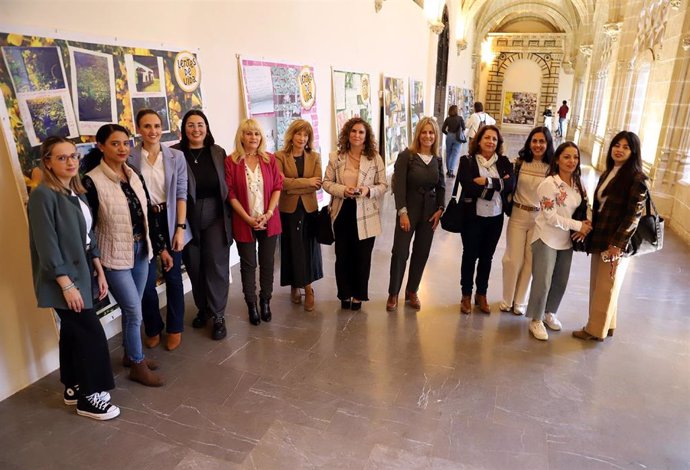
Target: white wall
[(347, 34)]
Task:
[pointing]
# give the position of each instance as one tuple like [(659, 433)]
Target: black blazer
[(471, 191)]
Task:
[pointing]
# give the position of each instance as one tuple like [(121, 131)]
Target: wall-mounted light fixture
[(462, 45), (460, 33), (378, 4), (487, 54), (433, 9)]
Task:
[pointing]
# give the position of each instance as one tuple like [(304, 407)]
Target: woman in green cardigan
[(64, 258)]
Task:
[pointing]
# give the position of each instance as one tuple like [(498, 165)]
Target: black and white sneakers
[(71, 395), (93, 407)]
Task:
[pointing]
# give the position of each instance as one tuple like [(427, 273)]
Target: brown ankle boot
[(309, 298), (295, 295), (392, 303), (172, 341), (480, 300), (142, 374), (150, 363), (413, 300), (152, 341), (466, 304)]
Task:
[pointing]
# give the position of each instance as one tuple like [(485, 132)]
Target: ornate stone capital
[(685, 42), (462, 45), (613, 30), (675, 4), (568, 67), (436, 27), (378, 4), (586, 50)]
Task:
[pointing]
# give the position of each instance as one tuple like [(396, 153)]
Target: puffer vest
[(114, 225)]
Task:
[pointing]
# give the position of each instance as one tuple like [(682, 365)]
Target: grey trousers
[(550, 273), (423, 236), (247, 252), (208, 261)]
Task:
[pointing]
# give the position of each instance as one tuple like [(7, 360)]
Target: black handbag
[(649, 235), (581, 214), (324, 228), (510, 198), (451, 220)]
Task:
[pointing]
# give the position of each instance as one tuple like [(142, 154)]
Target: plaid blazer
[(372, 173), (618, 219)]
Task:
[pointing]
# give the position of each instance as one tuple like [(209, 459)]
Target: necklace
[(196, 156)]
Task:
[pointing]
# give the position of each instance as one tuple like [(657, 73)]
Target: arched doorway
[(441, 68)]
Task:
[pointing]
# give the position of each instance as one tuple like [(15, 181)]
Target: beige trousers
[(517, 259), (603, 294)]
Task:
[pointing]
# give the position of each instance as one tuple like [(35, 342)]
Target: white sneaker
[(504, 307), (537, 329), (552, 322), (518, 309)]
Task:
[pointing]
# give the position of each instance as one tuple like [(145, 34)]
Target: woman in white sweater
[(552, 248)]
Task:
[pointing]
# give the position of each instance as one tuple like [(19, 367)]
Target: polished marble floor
[(432, 389)]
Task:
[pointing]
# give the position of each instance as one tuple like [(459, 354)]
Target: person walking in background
[(300, 253), (552, 248), (477, 120), (128, 235), (454, 130), (487, 178), (165, 174), (207, 255), (531, 167), (562, 115), (419, 200), (356, 179), (619, 201), (64, 257), (254, 184)]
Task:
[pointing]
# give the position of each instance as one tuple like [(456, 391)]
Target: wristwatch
[(182, 226)]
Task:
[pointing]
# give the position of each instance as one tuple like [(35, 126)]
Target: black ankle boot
[(265, 310), (253, 314), (219, 330), (200, 320)]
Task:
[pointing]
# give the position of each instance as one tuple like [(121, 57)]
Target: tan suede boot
[(308, 298), (482, 303), (142, 374)]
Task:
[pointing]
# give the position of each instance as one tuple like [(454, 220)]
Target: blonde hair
[(296, 126), (416, 144), (49, 178), (239, 153)]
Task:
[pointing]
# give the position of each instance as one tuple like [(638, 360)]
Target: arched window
[(639, 90)]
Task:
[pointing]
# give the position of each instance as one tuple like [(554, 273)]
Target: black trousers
[(248, 264), (84, 355), (208, 260), (423, 234), (352, 255), (479, 239)]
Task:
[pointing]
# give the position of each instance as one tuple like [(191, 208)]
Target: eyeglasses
[(63, 158)]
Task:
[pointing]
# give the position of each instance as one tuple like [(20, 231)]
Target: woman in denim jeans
[(453, 127), (120, 205)]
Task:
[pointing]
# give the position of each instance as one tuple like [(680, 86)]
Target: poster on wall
[(277, 93), (37, 75), (416, 104), (463, 98), (352, 96), (395, 117), (519, 107), (39, 100)]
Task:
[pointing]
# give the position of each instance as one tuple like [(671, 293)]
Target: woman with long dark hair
[(619, 201), (64, 257), (531, 167), (300, 253), (128, 236), (420, 192), (165, 174), (486, 176), (552, 248), (207, 256), (356, 179), (453, 128)]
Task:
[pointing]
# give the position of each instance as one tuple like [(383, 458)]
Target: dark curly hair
[(553, 166), (474, 143), (525, 152), (369, 142)]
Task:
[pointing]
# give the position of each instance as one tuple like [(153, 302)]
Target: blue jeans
[(174, 293), (550, 273), (452, 152), (127, 287)]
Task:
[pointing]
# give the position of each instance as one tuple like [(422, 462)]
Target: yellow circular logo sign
[(307, 87), (187, 71)]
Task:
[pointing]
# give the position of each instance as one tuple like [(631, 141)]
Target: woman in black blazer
[(487, 178), (207, 255)]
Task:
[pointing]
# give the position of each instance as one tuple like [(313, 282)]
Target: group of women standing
[(135, 207)]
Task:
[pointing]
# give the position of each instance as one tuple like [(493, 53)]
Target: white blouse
[(554, 222), (494, 206), (88, 218), (255, 190)]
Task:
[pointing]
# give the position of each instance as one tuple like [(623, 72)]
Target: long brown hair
[(369, 142), (49, 177)]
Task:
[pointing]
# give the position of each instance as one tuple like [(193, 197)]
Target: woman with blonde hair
[(64, 254), (254, 183), (419, 200), (356, 180), (300, 253)]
